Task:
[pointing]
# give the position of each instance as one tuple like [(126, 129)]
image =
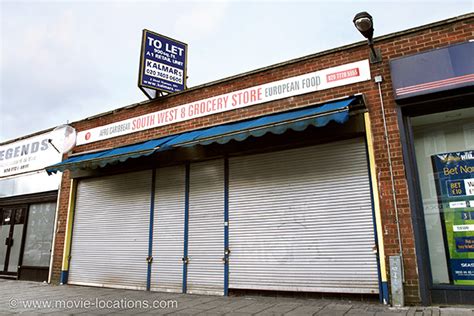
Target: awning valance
[(298, 120), (109, 156)]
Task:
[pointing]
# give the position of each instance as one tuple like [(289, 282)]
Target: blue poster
[(454, 175), (162, 63)]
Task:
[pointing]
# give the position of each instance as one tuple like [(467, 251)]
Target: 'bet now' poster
[(454, 174)]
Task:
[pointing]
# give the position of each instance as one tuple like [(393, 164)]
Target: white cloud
[(201, 20)]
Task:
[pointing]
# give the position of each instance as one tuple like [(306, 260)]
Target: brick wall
[(391, 46), (61, 227)]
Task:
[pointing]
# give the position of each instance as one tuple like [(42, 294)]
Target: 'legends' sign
[(27, 155)]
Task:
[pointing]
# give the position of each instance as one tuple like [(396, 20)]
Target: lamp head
[(364, 23)]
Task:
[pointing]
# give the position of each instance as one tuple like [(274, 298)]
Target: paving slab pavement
[(32, 298)]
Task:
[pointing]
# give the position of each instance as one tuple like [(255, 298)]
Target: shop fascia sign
[(31, 154), (433, 71), (162, 64), (311, 82)]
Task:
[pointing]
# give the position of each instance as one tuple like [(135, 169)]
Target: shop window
[(39, 235), (444, 149), (5, 218)]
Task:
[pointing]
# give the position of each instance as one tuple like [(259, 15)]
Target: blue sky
[(62, 61)]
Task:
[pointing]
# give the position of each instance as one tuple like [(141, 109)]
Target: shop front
[(435, 92), (298, 177), (281, 202), (27, 207)]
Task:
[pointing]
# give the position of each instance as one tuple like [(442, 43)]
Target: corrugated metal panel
[(110, 232), (206, 228), (301, 220), (168, 229)]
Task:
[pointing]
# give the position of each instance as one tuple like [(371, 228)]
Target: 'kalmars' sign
[(310, 82), (27, 155), (162, 63)]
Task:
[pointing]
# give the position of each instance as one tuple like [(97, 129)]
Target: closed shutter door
[(168, 230), (301, 220), (206, 228), (110, 232)]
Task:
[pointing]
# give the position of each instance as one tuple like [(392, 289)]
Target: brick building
[(277, 179)]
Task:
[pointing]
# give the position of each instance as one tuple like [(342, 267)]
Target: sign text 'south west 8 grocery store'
[(314, 81)]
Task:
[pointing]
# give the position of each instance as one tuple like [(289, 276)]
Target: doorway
[(11, 234)]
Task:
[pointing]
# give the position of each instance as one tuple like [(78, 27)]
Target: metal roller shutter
[(301, 220), (168, 229), (206, 228), (110, 232)]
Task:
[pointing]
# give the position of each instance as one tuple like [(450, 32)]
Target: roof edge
[(292, 61)]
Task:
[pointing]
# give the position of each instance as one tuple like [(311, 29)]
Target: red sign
[(354, 72)]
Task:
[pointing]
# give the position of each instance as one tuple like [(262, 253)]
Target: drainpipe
[(393, 261)]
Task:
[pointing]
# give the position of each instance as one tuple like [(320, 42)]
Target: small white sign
[(315, 81), (463, 228), (471, 203), (469, 186), (459, 204)]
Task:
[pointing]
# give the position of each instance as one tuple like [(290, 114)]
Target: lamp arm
[(375, 57)]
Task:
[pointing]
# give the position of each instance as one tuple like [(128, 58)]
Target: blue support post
[(64, 277), (226, 227), (186, 229), (150, 231)]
